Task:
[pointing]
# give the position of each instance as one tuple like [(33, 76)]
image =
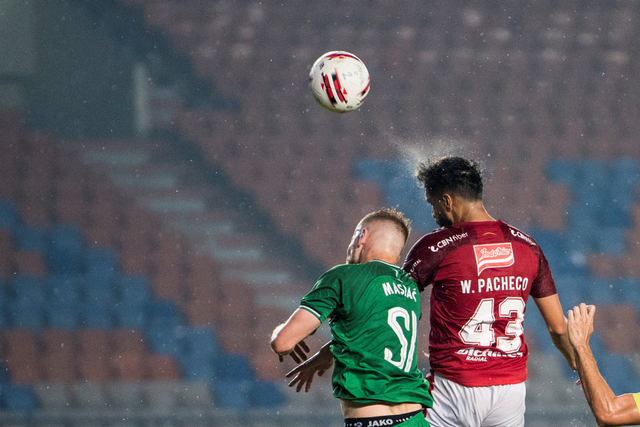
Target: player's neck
[(378, 255), (471, 212)]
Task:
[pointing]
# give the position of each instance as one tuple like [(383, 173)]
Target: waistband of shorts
[(384, 421)]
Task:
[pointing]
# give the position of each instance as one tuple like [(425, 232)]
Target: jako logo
[(495, 255)]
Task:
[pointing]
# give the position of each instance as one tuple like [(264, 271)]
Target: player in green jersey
[(373, 308)]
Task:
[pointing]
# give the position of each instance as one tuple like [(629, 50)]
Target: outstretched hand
[(303, 374), (580, 324), (299, 352)]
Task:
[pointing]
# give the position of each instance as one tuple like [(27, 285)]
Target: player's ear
[(364, 237), (447, 201)]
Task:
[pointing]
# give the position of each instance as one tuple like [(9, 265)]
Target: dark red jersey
[(481, 275)]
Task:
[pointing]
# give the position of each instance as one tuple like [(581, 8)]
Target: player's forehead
[(433, 198)]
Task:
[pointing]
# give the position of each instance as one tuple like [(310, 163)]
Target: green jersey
[(373, 311)]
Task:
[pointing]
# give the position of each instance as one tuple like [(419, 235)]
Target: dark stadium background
[(169, 189)]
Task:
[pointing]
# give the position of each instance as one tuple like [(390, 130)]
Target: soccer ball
[(339, 81)]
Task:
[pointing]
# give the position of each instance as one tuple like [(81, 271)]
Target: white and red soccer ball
[(339, 81)]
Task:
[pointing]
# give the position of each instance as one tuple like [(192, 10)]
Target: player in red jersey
[(482, 272)]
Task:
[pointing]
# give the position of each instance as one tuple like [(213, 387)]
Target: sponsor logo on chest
[(493, 255), (449, 240)]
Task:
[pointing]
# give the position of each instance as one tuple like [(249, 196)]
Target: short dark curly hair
[(451, 174)]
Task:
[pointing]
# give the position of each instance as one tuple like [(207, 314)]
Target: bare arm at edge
[(609, 409), (551, 311)]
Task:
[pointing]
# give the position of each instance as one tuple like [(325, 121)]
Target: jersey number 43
[(479, 329)]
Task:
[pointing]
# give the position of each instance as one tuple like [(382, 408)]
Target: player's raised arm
[(609, 409), (551, 311), (290, 335)]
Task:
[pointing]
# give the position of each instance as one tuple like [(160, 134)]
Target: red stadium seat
[(128, 341), (618, 326), (7, 249), (69, 204), (25, 369), (162, 368), (94, 367), (29, 263), (128, 366), (201, 312), (20, 343), (94, 343), (59, 367), (59, 358)]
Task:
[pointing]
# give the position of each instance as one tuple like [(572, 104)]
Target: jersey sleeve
[(418, 268), (325, 296), (543, 285), (636, 398)]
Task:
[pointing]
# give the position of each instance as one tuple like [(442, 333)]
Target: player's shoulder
[(517, 235), (344, 270), (338, 270), (374, 268), (441, 238)]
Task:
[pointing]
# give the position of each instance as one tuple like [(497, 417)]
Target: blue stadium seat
[(29, 290), (580, 241), (62, 315), (588, 195), (609, 240), (63, 289), (17, 398), (8, 215), (613, 215), (627, 290), (200, 340), (130, 315), (64, 253), (132, 289), (5, 321), (594, 173), (399, 188), (95, 315), (164, 340), (570, 290), (598, 290), (596, 343), (162, 313), (101, 267), (583, 218), (233, 394), (65, 235), (26, 315), (4, 292), (625, 173), (4, 374), (618, 372), (198, 367), (266, 394), (100, 293), (371, 169), (234, 367), (31, 239), (554, 246), (562, 171)]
